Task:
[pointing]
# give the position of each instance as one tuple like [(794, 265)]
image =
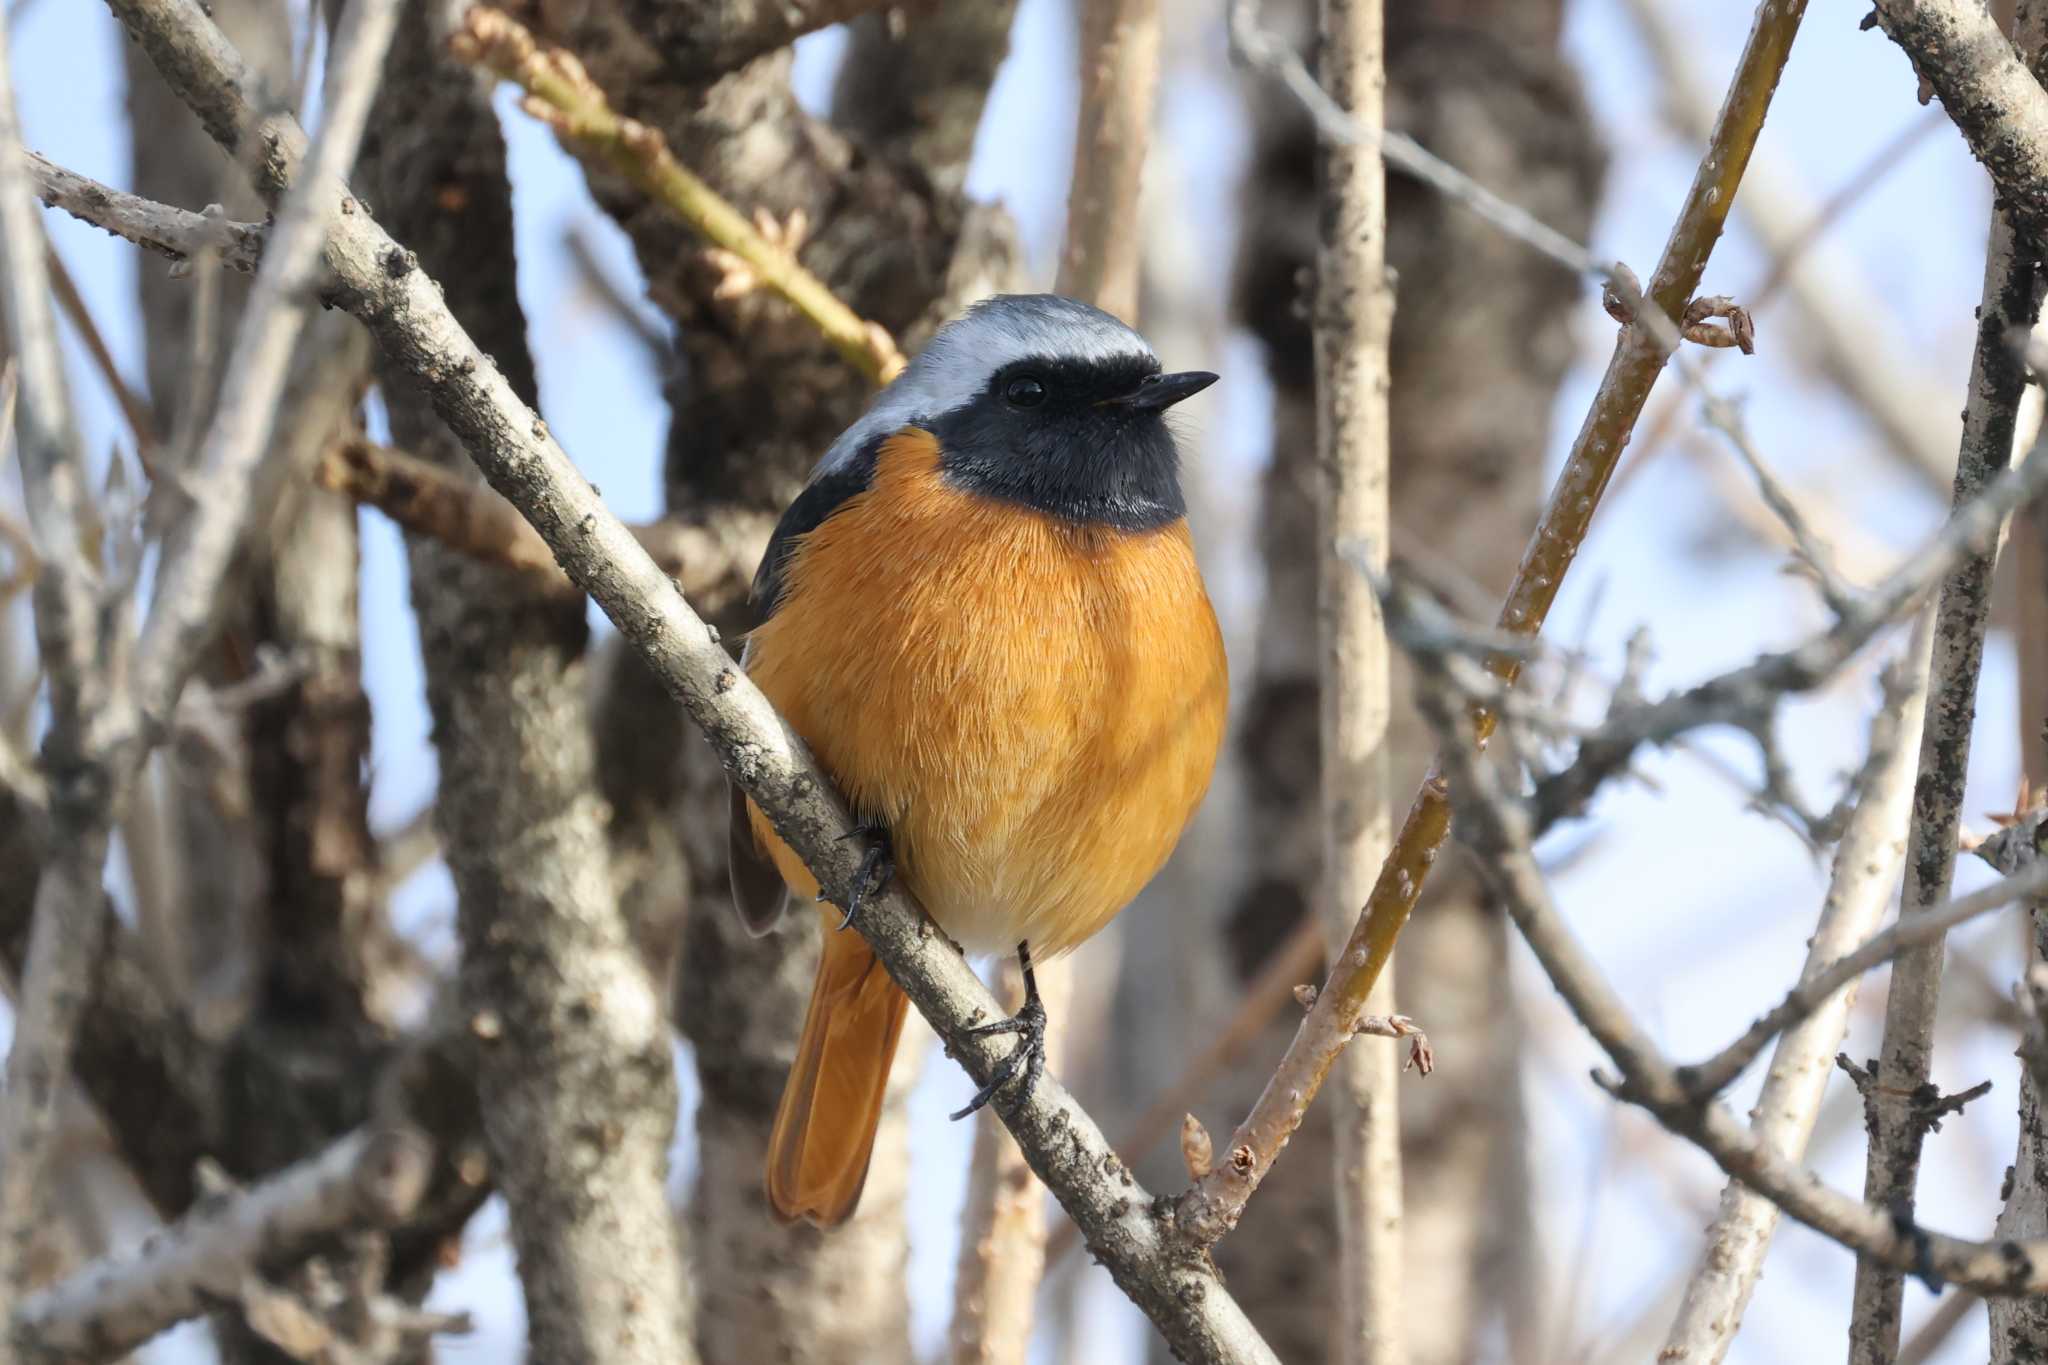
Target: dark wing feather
[(757, 888), (823, 496)]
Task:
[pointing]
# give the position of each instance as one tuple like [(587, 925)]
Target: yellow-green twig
[(1213, 1205), (560, 93)]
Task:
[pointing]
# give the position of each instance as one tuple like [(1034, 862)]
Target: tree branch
[(1956, 47), (67, 922), (1496, 828), (370, 1178), (2010, 304), (472, 520), (176, 233), (1353, 317), (562, 95), (407, 316), (1866, 865), (1213, 1205)]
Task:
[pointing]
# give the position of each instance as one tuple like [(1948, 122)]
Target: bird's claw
[(877, 866), (1029, 1054)]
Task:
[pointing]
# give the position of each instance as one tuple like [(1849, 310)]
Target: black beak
[(1162, 391)]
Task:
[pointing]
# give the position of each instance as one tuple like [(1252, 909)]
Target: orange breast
[(1033, 708)]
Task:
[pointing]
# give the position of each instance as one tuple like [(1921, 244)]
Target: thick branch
[(1957, 48), (370, 1178), (411, 322)]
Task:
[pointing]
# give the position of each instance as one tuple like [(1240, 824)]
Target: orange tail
[(832, 1104)]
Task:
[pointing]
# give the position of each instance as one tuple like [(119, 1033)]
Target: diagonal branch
[(562, 95), (176, 233), (370, 1178), (1211, 1208), (404, 311), (1866, 868), (1497, 828), (1957, 48)]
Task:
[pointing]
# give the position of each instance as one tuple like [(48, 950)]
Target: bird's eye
[(1025, 391)]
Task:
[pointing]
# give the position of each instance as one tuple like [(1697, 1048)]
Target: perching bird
[(984, 616)]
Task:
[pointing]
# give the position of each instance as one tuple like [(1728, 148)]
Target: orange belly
[(1032, 708)]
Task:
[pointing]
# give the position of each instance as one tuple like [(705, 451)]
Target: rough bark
[(574, 1070), (1484, 87)]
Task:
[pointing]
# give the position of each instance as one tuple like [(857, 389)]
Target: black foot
[(877, 866), (1029, 1054)]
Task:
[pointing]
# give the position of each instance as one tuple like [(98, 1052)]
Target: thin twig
[(176, 233), (1213, 1205), (220, 484), (1747, 697), (133, 410), (406, 314), (67, 918), (1858, 357), (1814, 554), (1496, 828), (471, 519), (1866, 867), (561, 94), (370, 1178)]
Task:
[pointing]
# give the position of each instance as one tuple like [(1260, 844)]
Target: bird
[(984, 616)]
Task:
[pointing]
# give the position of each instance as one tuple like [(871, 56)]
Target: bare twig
[(1268, 52), (370, 1178), (1496, 827), (1860, 359), (471, 519), (1353, 318), (1213, 1206), (1866, 865), (177, 233), (70, 905), (2010, 305), (133, 410), (406, 314), (198, 551), (1748, 696), (67, 919), (1815, 555), (562, 95)]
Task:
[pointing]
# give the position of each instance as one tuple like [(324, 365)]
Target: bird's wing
[(758, 892)]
